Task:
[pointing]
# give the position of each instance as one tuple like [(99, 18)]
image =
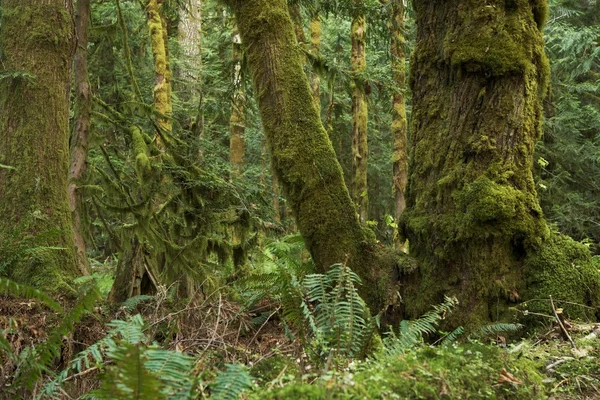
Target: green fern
[(231, 383), (11, 288), (495, 329), (411, 332), (131, 303)]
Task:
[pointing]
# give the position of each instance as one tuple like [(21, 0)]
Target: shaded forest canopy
[(283, 198)]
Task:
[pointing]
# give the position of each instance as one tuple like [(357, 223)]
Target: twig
[(562, 327), (83, 373)]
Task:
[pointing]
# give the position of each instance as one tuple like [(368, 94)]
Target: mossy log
[(38, 42)]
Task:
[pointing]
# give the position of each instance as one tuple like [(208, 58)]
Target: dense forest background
[(183, 261)]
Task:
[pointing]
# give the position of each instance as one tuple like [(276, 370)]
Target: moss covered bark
[(38, 42), (81, 135), (478, 77), (302, 156), (162, 72), (359, 112), (399, 122)]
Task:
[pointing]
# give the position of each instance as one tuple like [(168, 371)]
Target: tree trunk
[(359, 112), (237, 119), (302, 156), (80, 138), (190, 41), (38, 42), (162, 72), (478, 76), (315, 48), (399, 124)]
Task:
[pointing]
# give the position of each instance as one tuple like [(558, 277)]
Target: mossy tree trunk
[(478, 77), (399, 123), (237, 119), (38, 42), (81, 135), (302, 156), (359, 111), (162, 72)]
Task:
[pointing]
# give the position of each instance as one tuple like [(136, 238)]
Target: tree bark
[(38, 43), (81, 135), (478, 75), (399, 122), (315, 49), (162, 71), (359, 112), (237, 119), (302, 156)]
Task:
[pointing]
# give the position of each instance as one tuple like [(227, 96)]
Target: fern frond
[(231, 383), (495, 329), (131, 303), (9, 287)]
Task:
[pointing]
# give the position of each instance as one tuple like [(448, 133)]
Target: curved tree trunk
[(81, 134), (358, 33), (302, 156), (38, 43), (478, 77)]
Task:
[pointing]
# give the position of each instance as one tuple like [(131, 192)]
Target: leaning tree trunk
[(478, 77), (399, 124), (37, 39), (359, 112), (302, 156), (81, 135)]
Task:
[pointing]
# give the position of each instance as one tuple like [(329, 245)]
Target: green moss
[(302, 156), (565, 270), (140, 149), (463, 372), (37, 39), (270, 368)]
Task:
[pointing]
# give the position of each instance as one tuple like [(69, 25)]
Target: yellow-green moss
[(302, 156), (564, 269)]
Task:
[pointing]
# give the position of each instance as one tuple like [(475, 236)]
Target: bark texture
[(237, 119), (359, 112), (81, 135), (302, 156), (315, 49), (478, 77), (38, 43), (399, 122)]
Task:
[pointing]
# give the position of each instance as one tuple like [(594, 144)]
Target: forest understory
[(299, 199)]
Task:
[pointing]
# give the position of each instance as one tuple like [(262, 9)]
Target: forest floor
[(217, 332)]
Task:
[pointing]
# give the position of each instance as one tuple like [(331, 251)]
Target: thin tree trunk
[(399, 124), (162, 72), (237, 120), (315, 48), (359, 113), (38, 43), (81, 133), (302, 156), (190, 41)]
